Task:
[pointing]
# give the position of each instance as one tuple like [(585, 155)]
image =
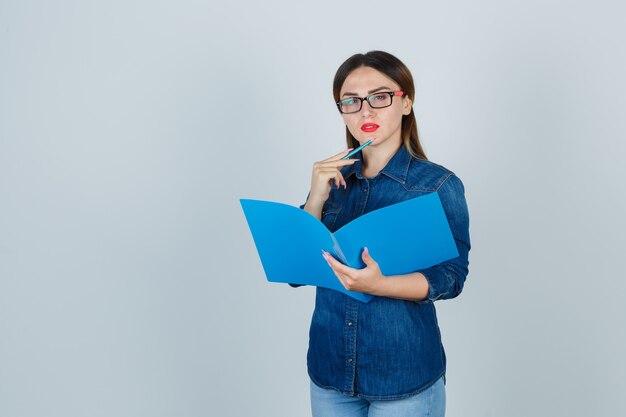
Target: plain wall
[(129, 281)]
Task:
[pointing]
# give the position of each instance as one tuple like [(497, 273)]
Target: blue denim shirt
[(388, 348)]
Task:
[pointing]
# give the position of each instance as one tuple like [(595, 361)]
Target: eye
[(379, 97), (349, 101)]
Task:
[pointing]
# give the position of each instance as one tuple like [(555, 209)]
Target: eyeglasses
[(376, 101)]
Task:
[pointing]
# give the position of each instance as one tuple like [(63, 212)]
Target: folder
[(404, 237)]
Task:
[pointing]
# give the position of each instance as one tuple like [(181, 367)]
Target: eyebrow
[(369, 92)]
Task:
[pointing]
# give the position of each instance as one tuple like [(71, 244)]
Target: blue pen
[(358, 149)]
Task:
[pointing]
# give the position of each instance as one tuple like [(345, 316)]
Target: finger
[(343, 181), (326, 174), (367, 258), (338, 156), (339, 276), (339, 175), (333, 175), (336, 163), (338, 266)]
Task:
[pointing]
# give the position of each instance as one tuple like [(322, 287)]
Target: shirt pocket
[(329, 216)]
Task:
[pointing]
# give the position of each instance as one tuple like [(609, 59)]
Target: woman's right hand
[(325, 172)]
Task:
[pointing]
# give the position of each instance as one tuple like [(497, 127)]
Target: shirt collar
[(396, 169)]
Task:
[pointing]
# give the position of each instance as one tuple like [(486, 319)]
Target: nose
[(366, 109)]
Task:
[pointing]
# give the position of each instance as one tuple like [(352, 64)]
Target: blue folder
[(402, 238)]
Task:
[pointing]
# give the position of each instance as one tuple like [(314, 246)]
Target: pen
[(358, 149)]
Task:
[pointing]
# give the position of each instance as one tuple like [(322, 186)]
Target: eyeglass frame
[(392, 94)]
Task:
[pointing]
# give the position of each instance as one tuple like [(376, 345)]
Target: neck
[(376, 157)]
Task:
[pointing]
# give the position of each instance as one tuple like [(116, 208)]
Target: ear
[(407, 105)]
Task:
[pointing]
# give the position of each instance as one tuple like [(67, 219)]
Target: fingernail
[(349, 149)]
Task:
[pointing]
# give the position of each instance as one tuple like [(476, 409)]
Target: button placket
[(350, 329), (362, 202)]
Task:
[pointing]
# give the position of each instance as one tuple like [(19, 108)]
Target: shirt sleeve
[(301, 208), (446, 280)]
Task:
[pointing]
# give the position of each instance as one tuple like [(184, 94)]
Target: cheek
[(398, 116), (351, 123)]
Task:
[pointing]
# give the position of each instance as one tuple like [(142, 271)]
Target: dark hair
[(393, 68)]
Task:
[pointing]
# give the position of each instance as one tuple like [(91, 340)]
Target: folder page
[(289, 241), (402, 238)]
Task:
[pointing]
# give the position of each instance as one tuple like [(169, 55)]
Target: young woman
[(385, 357)]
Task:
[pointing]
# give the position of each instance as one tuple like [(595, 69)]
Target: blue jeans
[(330, 403)]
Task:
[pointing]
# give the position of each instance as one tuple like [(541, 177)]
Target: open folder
[(403, 238)]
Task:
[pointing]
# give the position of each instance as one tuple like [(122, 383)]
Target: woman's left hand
[(367, 280)]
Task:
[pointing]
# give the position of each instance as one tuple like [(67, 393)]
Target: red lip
[(369, 127)]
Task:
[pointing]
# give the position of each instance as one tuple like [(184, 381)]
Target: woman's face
[(382, 125)]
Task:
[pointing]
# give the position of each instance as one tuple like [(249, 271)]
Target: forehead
[(364, 79)]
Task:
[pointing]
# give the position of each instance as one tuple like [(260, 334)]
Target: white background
[(129, 282)]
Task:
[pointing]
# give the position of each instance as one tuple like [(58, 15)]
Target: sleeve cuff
[(437, 278)]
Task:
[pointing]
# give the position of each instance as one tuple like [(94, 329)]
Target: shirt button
[(349, 359), (364, 190), (350, 324)]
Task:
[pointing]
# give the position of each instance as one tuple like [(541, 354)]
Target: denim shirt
[(388, 348)]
